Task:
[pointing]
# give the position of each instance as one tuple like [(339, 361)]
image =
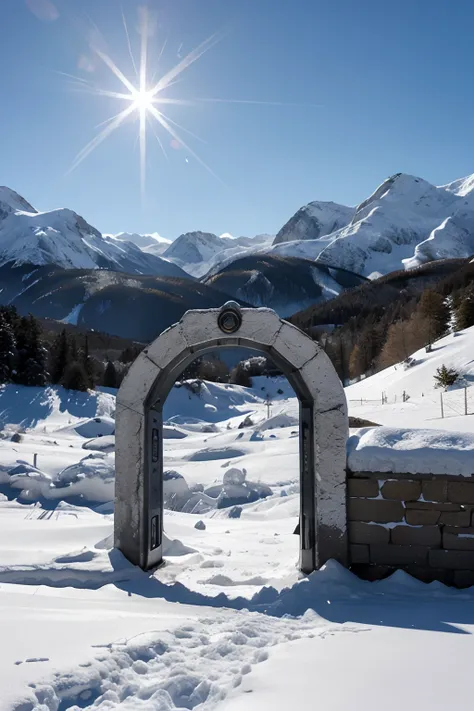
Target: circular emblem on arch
[(229, 319)]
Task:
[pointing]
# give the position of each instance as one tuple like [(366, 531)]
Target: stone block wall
[(422, 524)]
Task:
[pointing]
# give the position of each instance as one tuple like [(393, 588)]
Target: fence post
[(465, 400), (442, 408)]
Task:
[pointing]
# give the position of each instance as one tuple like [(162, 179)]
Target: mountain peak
[(64, 238), (11, 201), (315, 220)]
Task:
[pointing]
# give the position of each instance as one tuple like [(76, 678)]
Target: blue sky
[(376, 88)]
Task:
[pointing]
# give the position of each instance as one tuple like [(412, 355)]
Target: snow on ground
[(228, 620), (411, 451), (423, 407)]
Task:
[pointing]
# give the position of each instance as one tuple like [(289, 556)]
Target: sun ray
[(160, 142), (162, 120), (129, 44), (105, 92), (168, 100), (142, 151), (182, 128), (258, 103), (97, 140), (113, 67), (186, 62), (81, 80)]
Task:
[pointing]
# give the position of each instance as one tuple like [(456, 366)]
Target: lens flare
[(144, 99)]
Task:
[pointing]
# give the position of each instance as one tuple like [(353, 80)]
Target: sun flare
[(145, 99), (142, 100)]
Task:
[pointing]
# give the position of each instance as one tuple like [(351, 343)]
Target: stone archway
[(323, 429)]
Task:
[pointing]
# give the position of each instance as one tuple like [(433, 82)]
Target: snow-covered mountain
[(199, 252), (152, 243), (404, 223), (64, 238), (315, 220)]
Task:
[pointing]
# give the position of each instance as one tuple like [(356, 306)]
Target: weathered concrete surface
[(139, 465)]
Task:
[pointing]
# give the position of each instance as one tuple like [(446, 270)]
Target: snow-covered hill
[(64, 238), (404, 223), (421, 404)]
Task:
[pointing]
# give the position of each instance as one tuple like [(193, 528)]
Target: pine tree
[(129, 354), (464, 312), (7, 351), (192, 370), (240, 376), (444, 377), (58, 359), (110, 379), (75, 377), (31, 363), (434, 315), (73, 354), (88, 363)]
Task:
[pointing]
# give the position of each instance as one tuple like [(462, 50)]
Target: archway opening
[(323, 429), (231, 473)]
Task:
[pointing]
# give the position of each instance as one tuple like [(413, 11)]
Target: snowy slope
[(192, 249), (201, 252), (227, 623), (404, 223), (64, 238), (315, 220), (423, 406)]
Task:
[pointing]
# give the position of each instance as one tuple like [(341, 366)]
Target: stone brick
[(454, 560), (428, 574), (456, 518), (457, 543), (367, 533), (469, 530), (359, 553), (372, 572), (431, 506), (463, 578), (460, 492), (363, 487), (423, 518), (376, 510), (402, 490), (398, 555), (435, 490), (423, 536)]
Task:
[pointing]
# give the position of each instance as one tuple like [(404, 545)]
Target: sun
[(143, 100)]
